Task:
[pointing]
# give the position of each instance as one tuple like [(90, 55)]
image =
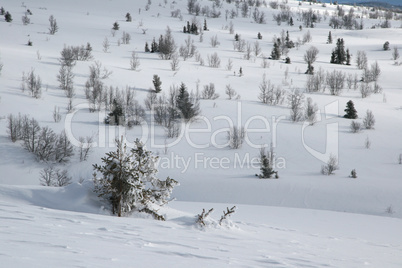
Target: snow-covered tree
[(129, 181)]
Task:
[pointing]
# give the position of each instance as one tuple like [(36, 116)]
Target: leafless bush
[(235, 137), (50, 176), (125, 38), (295, 100), (66, 79), (25, 20), (214, 41), (134, 61), (311, 111), (400, 159), (257, 48), (209, 92), (316, 82), (307, 38), (335, 82), (174, 62), (33, 83), (361, 60), (367, 143), (249, 50), (229, 65), (230, 92), (53, 25), (369, 120), (239, 45), (188, 50), (150, 100), (365, 90), (331, 166), (56, 114), (355, 126), (85, 147), (213, 60), (395, 53), (106, 45)]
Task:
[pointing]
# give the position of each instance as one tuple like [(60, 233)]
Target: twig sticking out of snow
[(227, 213), (201, 217)]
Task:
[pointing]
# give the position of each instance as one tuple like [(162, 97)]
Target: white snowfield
[(302, 219)]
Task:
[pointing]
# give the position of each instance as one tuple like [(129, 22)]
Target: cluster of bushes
[(42, 141)]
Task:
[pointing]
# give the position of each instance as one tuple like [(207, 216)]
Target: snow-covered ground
[(303, 219)]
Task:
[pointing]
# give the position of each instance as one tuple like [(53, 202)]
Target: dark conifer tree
[(329, 41), (276, 51), (146, 47), (350, 110), (157, 83), (8, 17)]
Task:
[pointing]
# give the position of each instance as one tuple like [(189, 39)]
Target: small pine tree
[(8, 17), (128, 17), (350, 110), (259, 36), (205, 25), (348, 57), (116, 26), (276, 52), (188, 106), (266, 169), (157, 83), (154, 46), (329, 40), (116, 117), (291, 21), (386, 46), (2, 11), (129, 181), (237, 37), (147, 47)]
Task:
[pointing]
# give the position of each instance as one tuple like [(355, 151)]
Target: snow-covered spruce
[(129, 181)]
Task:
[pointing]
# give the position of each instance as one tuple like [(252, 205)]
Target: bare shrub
[(209, 92), (56, 114), (361, 60), (174, 62), (367, 143), (85, 147), (365, 90), (106, 45), (335, 82), (50, 176), (214, 41), (235, 137), (53, 25), (33, 83), (213, 60), (150, 100), (202, 217), (229, 65), (134, 61), (295, 100), (311, 111), (230, 92), (355, 126), (369, 120), (125, 38), (331, 166)]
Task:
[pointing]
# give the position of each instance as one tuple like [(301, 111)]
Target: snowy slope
[(295, 221)]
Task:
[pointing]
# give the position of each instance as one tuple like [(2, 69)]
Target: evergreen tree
[(128, 17), (266, 169), (338, 55), (350, 110), (348, 57), (291, 21), (259, 36), (129, 181), (146, 47), (205, 25), (276, 51), (329, 41), (116, 117), (157, 83), (154, 46), (116, 26), (237, 37), (8, 17), (2, 11), (186, 104)]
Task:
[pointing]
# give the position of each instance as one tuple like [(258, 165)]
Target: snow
[(303, 219)]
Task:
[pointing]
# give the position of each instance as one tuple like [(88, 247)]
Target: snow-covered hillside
[(303, 218)]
